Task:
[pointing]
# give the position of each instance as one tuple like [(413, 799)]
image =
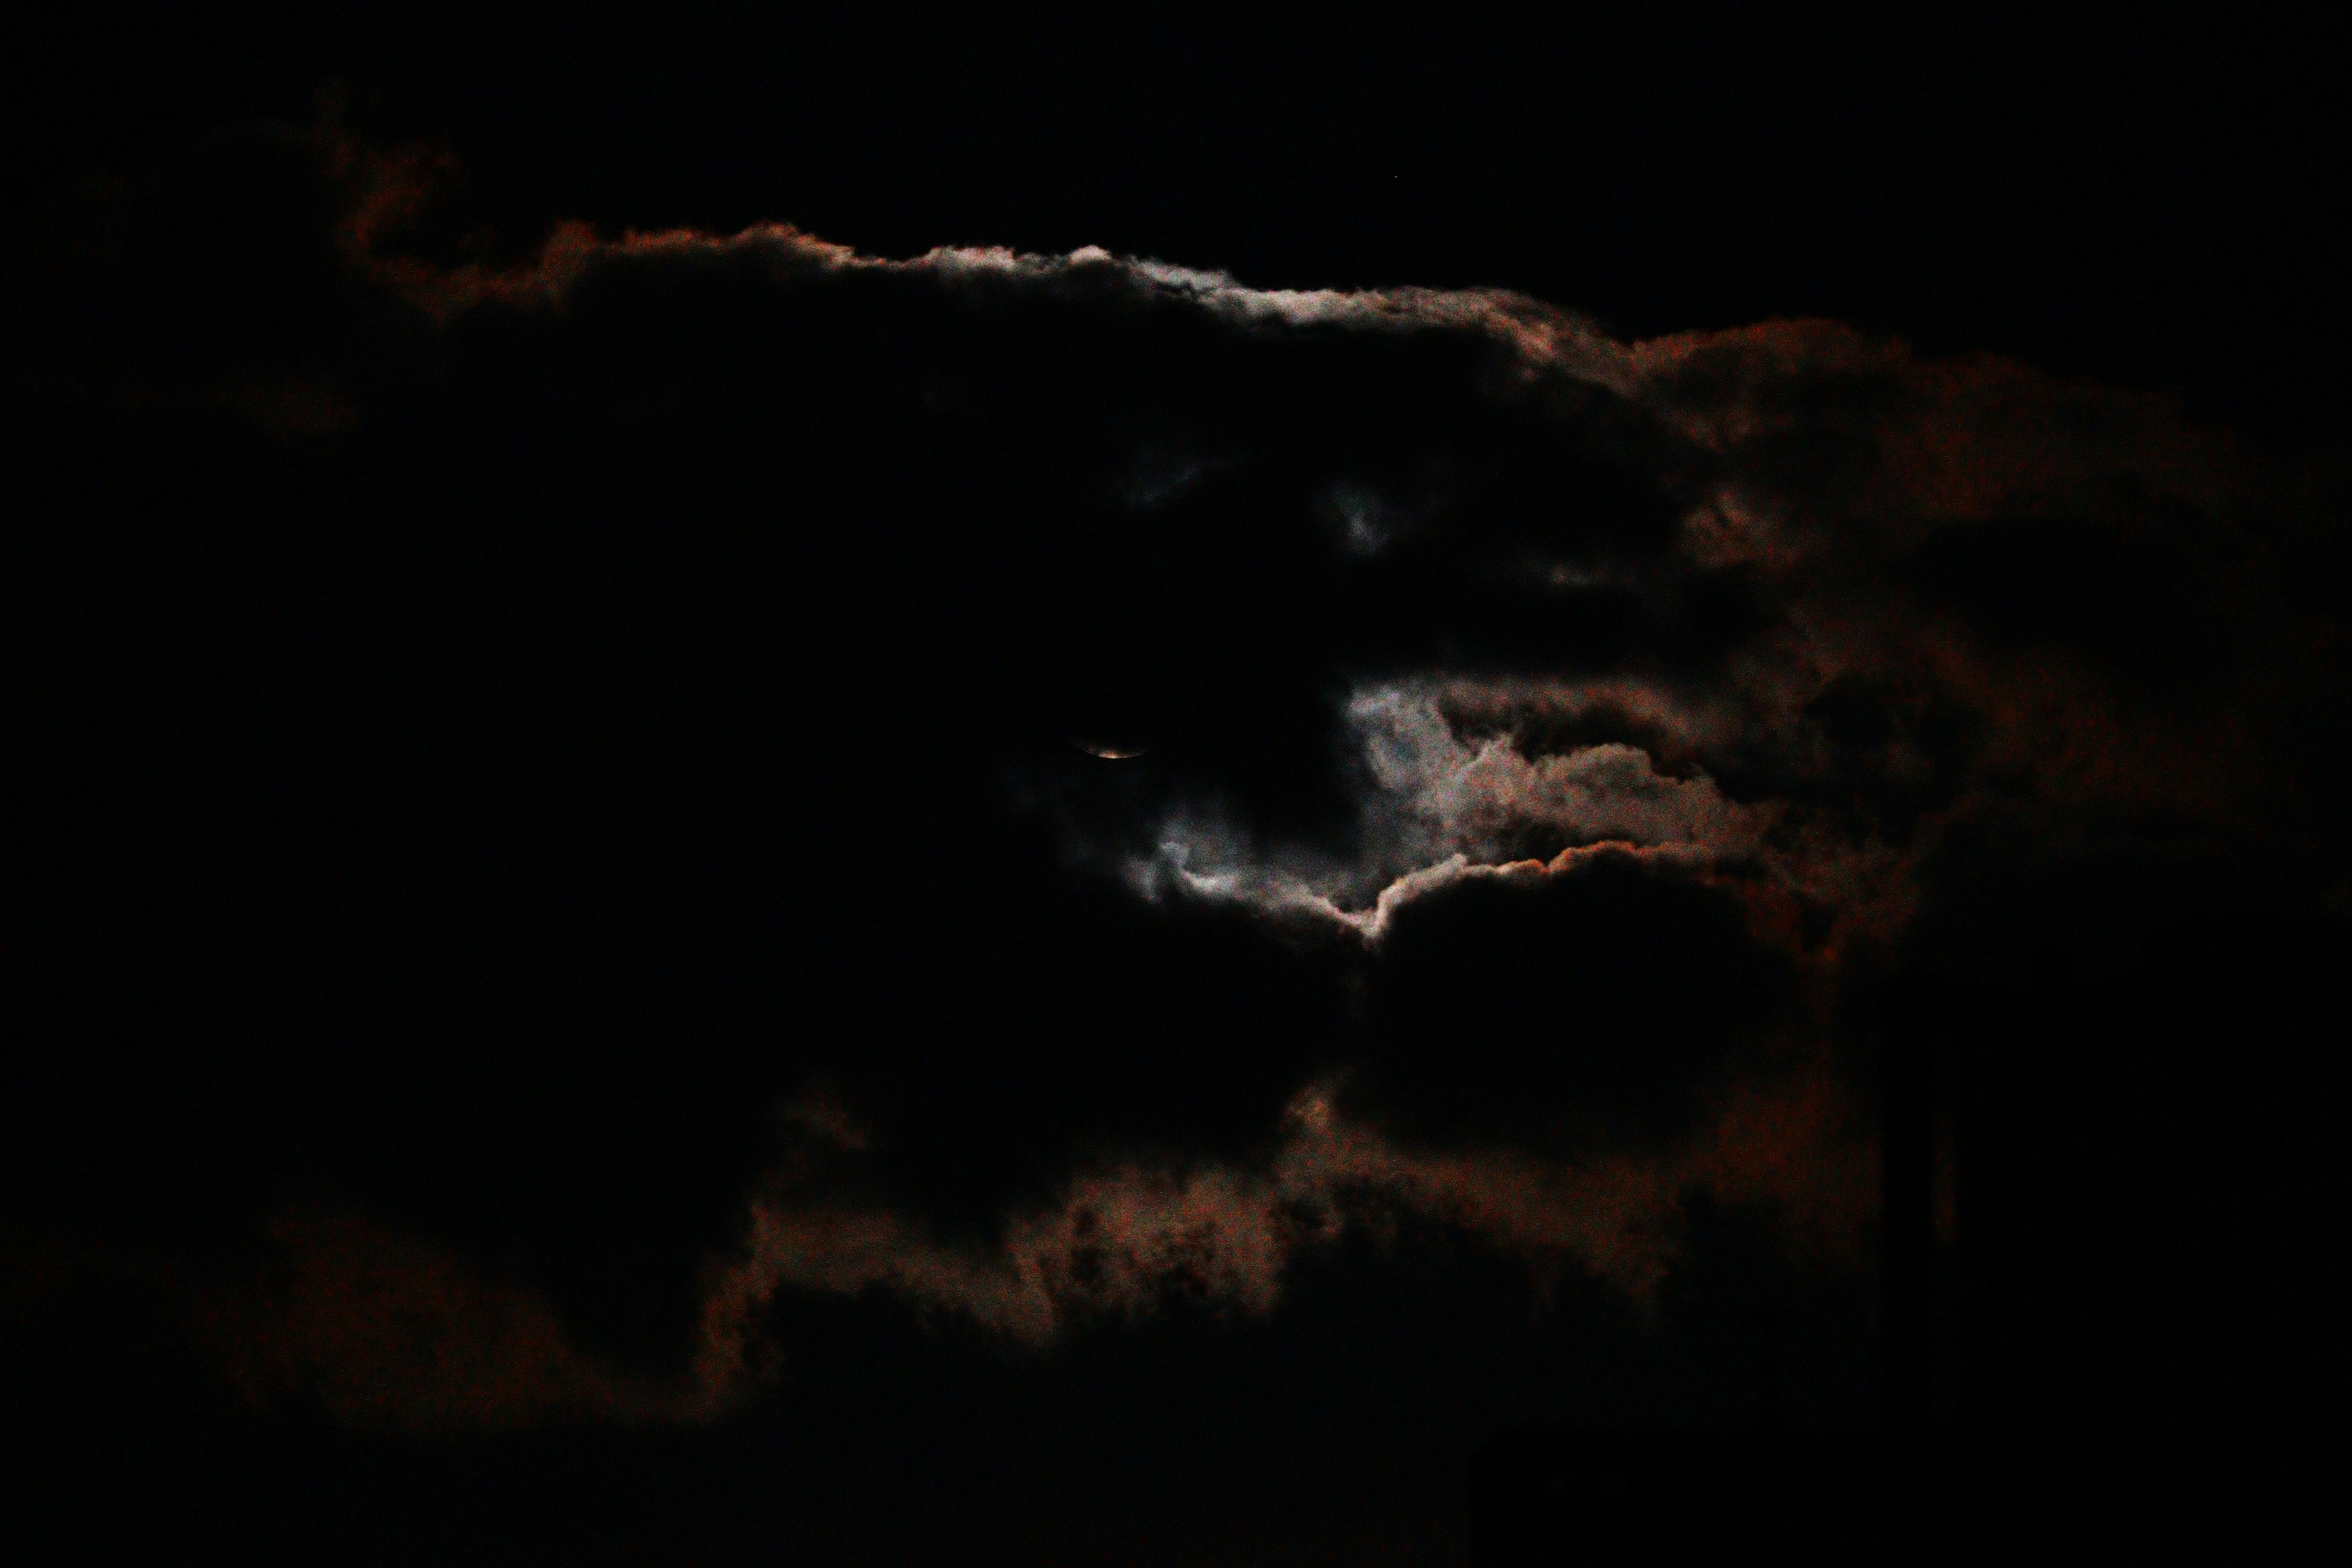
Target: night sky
[(842, 787)]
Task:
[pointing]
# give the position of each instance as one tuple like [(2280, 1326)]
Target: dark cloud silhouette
[(485, 738), (1609, 993)]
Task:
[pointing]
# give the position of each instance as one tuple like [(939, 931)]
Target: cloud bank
[(656, 663)]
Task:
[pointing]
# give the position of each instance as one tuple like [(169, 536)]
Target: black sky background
[(2152, 207)]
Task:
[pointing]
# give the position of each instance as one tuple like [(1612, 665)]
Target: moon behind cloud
[(1107, 751)]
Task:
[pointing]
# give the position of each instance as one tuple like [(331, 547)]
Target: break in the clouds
[(1435, 807), (590, 702)]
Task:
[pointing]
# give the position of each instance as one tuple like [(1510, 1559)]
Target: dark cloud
[(388, 1333), (487, 738), (1610, 994)]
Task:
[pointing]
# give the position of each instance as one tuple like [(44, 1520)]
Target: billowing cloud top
[(1150, 772)]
